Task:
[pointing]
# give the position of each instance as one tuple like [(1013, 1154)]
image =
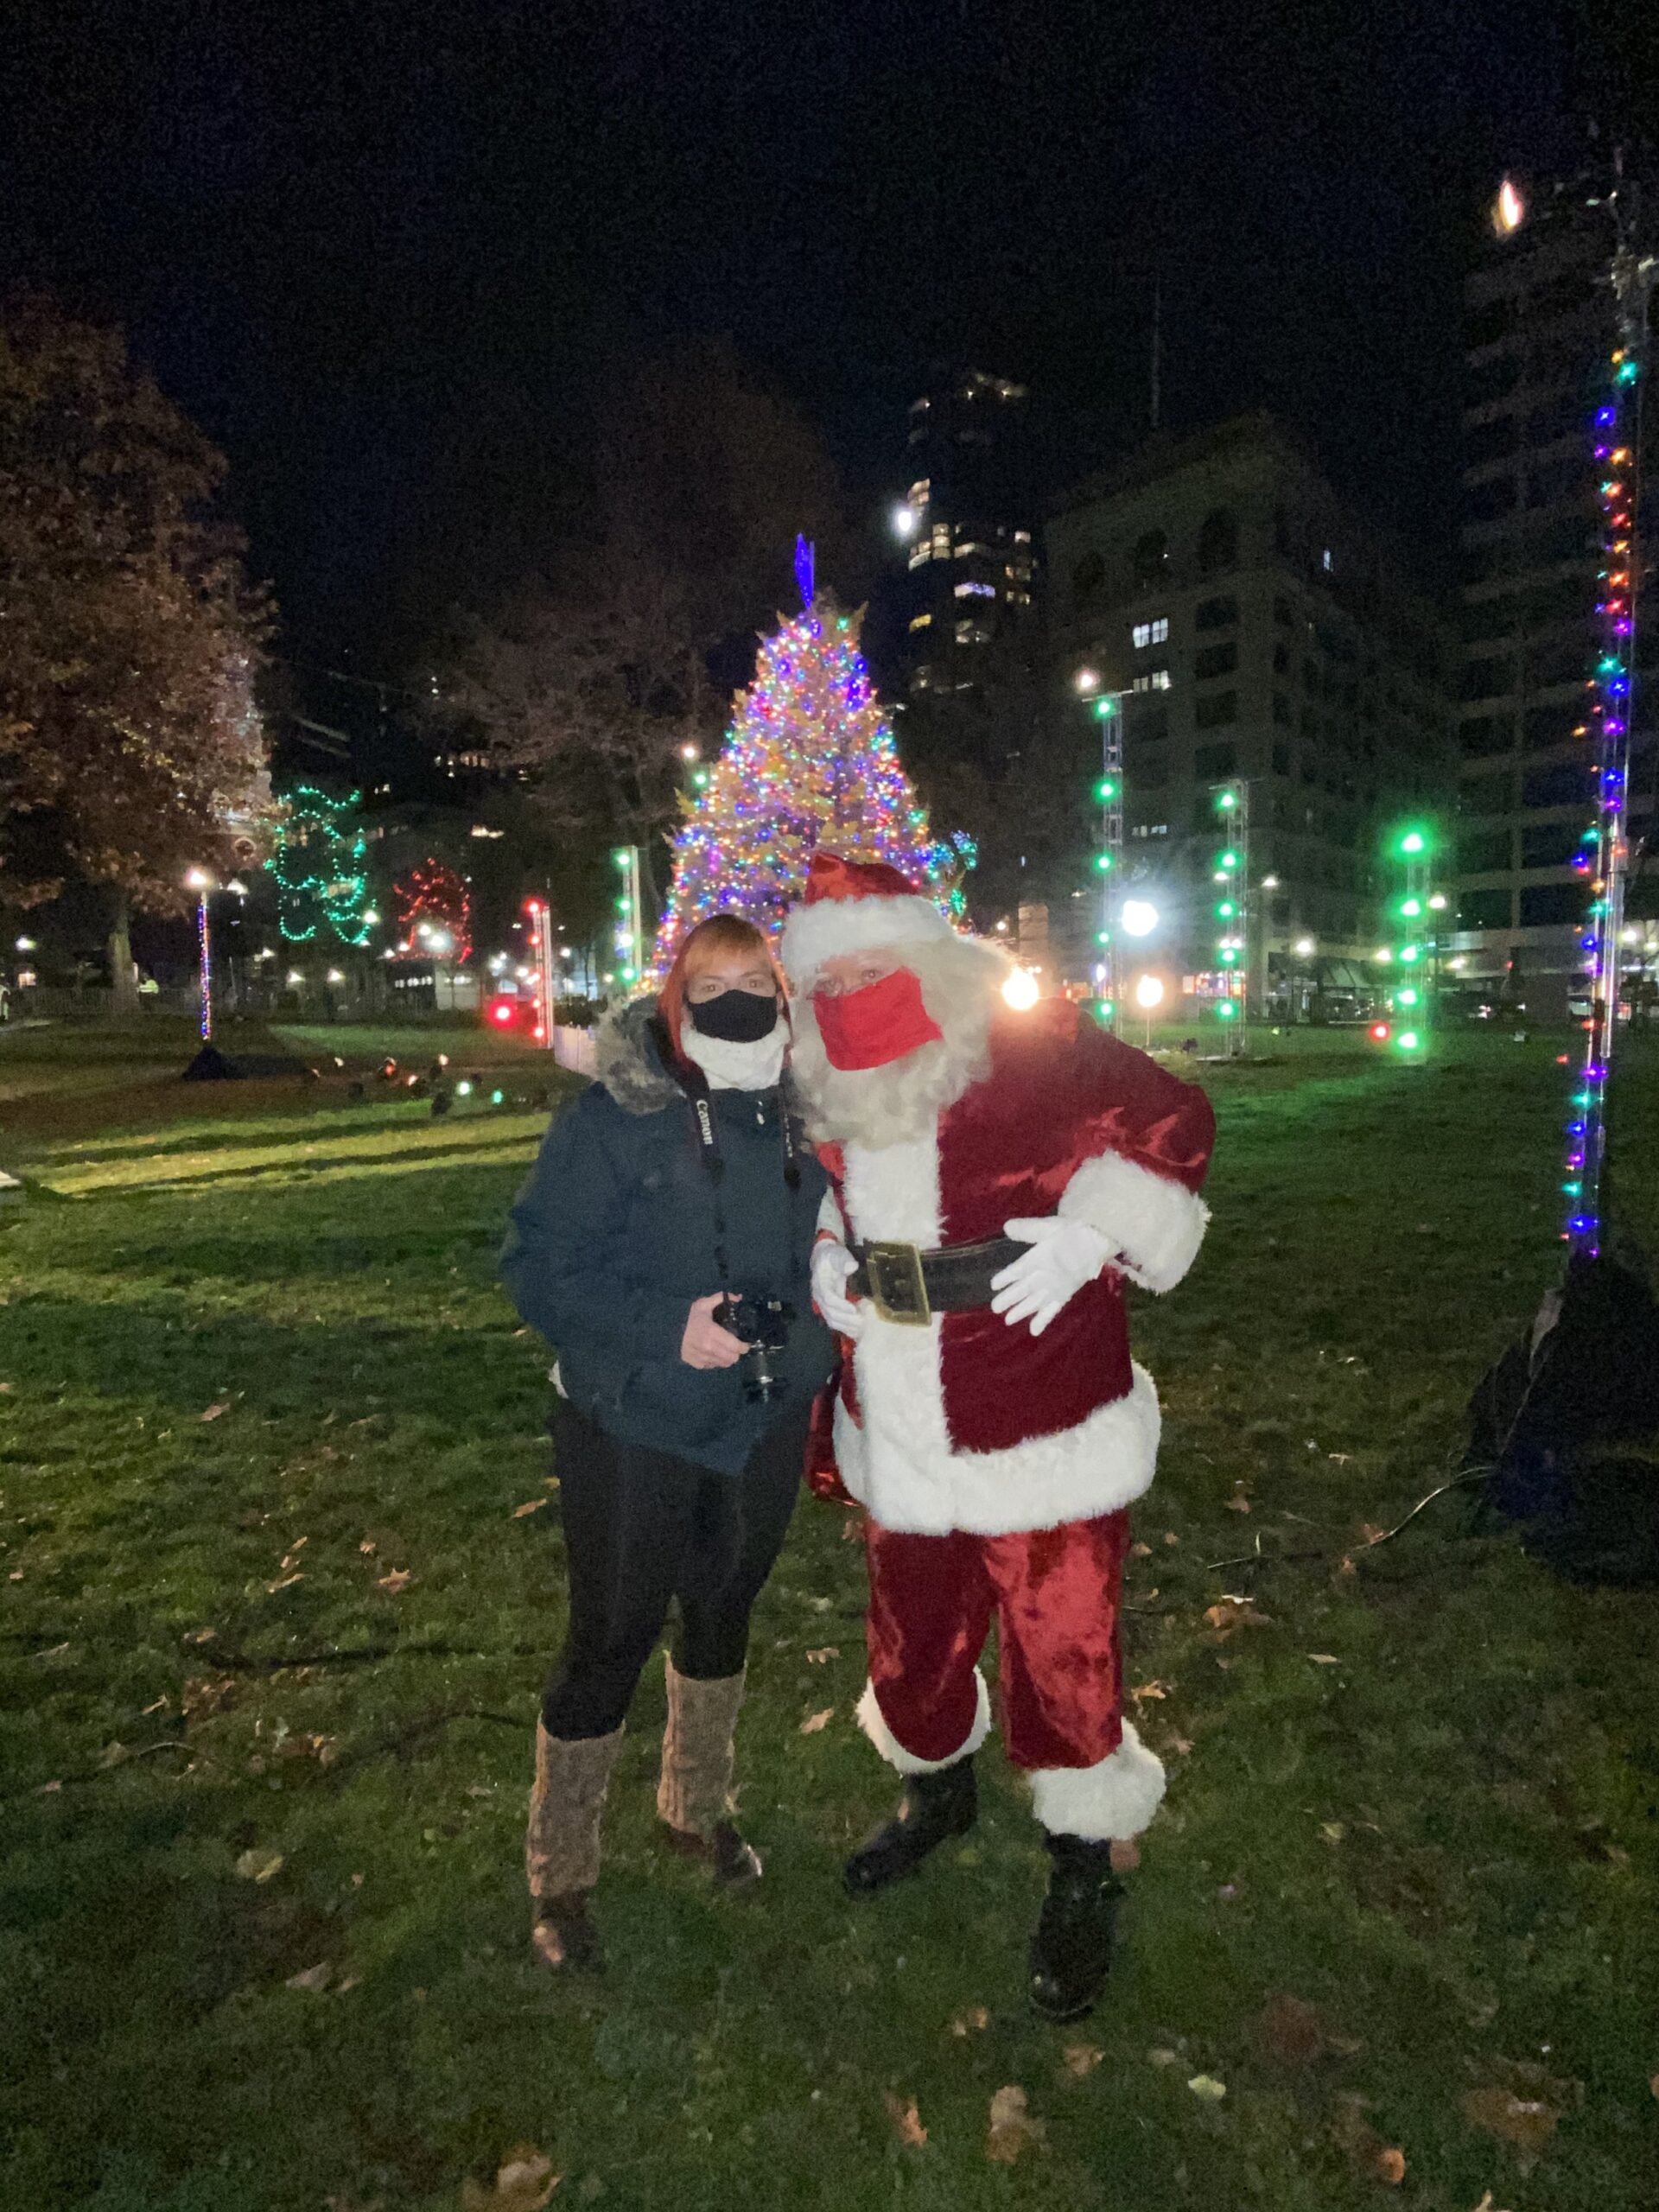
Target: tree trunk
[(124, 979)]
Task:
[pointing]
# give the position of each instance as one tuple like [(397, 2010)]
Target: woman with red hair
[(661, 1244)]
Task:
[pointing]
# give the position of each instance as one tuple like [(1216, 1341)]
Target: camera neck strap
[(693, 1081)]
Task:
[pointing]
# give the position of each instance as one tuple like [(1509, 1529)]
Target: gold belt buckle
[(898, 1287)]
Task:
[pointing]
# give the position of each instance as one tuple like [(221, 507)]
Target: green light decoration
[(1226, 909), (1409, 1040), (1103, 862), (1412, 908), (1228, 863), (1105, 708), (1105, 1012), (1405, 998), (1227, 802), (1228, 1010), (1106, 789), (318, 863), (1413, 842), (1410, 952)]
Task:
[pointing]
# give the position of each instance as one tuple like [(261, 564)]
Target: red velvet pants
[(1055, 1594)]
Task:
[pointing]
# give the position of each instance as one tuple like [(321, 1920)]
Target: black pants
[(643, 1530)]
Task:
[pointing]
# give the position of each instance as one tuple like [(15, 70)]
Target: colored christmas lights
[(319, 866), (809, 760), (434, 912), (1232, 874), (1603, 855)]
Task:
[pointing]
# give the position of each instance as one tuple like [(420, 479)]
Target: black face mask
[(735, 1017)]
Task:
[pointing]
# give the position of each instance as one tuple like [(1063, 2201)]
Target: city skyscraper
[(1539, 328)]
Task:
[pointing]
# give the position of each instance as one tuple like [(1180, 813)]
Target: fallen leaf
[(203, 1694), (523, 2181), (1207, 2087), (815, 1721), (1324, 1658), (1080, 2058), (971, 2022), (1170, 1537), (1011, 2128), (822, 1655), (531, 1505), (1527, 2122), (905, 2120), (1237, 1502), (1179, 1744), (1143, 1691), (1163, 2056), (201, 1635), (1125, 1854), (1371, 1533), (1290, 2031), (398, 1579), (1140, 1551), (1347, 1567), (258, 1865), (214, 1412), (1332, 1831), (367, 1545), (313, 1978), (1235, 1613), (112, 1755), (1368, 2157), (164, 1704), (1486, 2203), (287, 1582), (46, 1789)]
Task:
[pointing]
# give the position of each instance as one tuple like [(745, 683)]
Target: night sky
[(389, 255)]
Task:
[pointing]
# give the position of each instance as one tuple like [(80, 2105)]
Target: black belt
[(906, 1284)]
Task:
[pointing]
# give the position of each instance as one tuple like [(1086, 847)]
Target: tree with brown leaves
[(131, 749)]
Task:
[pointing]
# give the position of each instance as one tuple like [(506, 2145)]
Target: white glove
[(831, 1265), (1064, 1255)]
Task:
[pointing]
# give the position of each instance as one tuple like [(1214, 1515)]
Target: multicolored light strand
[(435, 913), (1603, 855), (809, 760), (205, 965), (318, 865)]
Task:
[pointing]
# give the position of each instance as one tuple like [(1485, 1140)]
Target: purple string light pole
[(1603, 855)]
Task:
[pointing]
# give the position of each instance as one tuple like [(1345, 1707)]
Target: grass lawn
[(284, 1581)]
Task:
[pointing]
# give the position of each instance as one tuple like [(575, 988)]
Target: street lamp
[(1139, 916)]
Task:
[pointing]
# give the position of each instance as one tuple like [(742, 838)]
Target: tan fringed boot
[(566, 1803), (694, 1793)]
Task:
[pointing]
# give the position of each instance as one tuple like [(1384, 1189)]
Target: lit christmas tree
[(320, 869), (809, 760), (434, 912)]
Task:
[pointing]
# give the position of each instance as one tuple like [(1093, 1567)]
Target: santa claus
[(997, 1180)]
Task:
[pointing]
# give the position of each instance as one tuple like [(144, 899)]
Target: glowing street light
[(905, 519), (1139, 916), (1148, 991), (1086, 682), (1304, 947), (1509, 209)]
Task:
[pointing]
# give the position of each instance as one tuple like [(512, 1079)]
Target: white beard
[(895, 1103)]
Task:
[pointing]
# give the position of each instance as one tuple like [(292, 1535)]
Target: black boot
[(1072, 1951), (933, 1808)]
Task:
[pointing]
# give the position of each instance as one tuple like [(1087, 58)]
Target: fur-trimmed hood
[(628, 1063)]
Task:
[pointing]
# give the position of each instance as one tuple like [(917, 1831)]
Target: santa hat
[(851, 906)]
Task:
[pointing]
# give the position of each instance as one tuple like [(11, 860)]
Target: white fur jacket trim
[(872, 1721), (899, 1464), (1110, 1802), (1156, 1223)]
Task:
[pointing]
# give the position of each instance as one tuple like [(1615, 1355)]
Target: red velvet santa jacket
[(971, 1424)]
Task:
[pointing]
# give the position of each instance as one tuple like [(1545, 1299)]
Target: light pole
[(1109, 858), (629, 938), (204, 886), (1232, 876)]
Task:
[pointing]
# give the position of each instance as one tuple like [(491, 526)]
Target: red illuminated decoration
[(1381, 1031), (503, 1012), (434, 912)]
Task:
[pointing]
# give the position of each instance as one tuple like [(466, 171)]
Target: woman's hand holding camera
[(705, 1344)]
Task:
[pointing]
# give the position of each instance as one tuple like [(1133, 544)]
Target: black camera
[(763, 1324)]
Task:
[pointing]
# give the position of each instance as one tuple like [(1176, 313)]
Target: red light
[(539, 1035), (503, 1013), (1381, 1031), (532, 906)]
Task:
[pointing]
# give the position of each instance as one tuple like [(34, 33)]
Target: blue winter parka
[(616, 1233)]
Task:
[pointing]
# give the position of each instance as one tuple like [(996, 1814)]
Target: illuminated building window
[(922, 553), (976, 591), (1152, 679), (1022, 537), (970, 545), (1018, 599), (1151, 634), (920, 621), (919, 491), (972, 634)]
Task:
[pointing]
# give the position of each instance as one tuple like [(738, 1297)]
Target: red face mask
[(866, 1028)]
